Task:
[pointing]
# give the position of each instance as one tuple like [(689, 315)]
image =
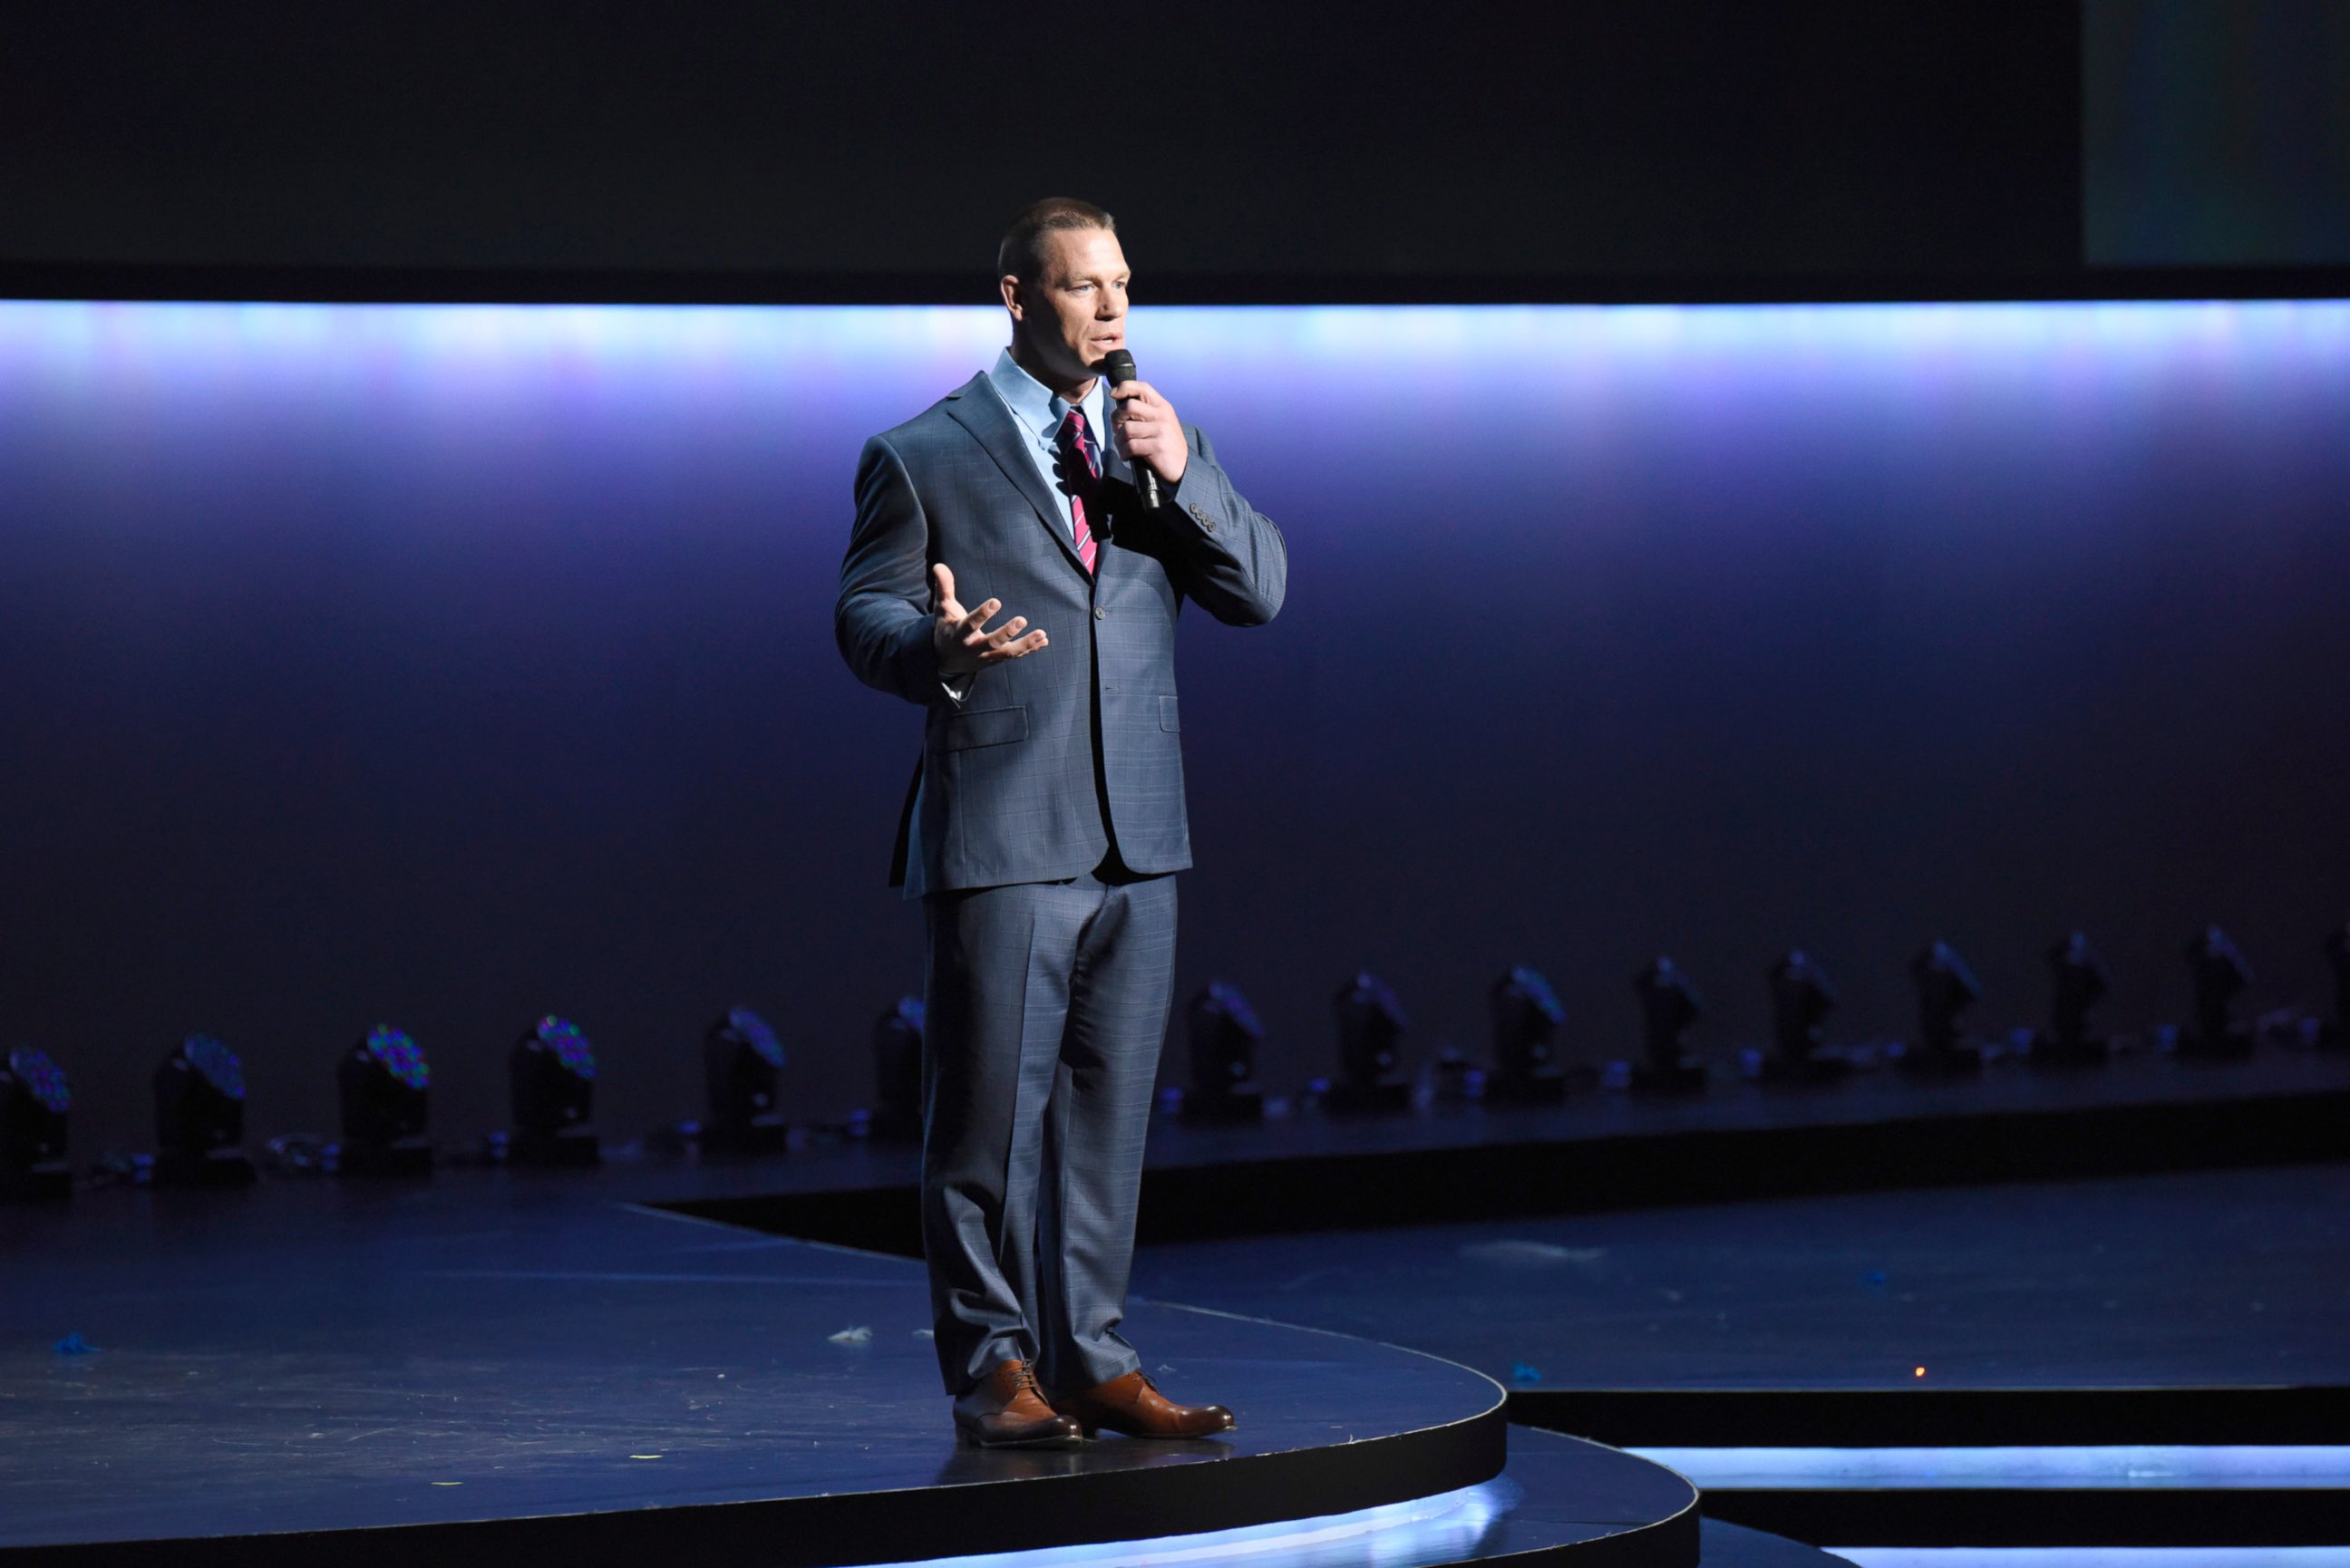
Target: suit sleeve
[(883, 619), (1228, 556)]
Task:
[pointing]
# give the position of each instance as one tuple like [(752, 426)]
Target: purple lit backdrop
[(444, 666)]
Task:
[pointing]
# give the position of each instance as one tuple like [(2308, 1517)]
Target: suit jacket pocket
[(988, 727), (1167, 717)]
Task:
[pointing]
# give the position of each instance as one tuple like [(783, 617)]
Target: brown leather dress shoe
[(1134, 1406), (1007, 1410)]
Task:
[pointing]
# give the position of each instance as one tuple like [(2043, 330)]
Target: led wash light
[(200, 1115), (1224, 1037), (34, 1103), (1946, 988), (552, 1074), (739, 1058), (2080, 982), (383, 1084), (1525, 1015), (1801, 1001), (1669, 1005), (897, 1110), (1371, 1025)]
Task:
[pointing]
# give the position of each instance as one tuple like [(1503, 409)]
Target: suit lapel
[(981, 413)]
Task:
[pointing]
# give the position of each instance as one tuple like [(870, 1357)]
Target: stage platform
[(1444, 1163), (2153, 1361), (590, 1363), (483, 1367)]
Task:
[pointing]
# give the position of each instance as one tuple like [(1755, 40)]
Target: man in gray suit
[(1046, 816)]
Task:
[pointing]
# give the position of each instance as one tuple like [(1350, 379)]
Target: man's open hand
[(1147, 430), (962, 637)]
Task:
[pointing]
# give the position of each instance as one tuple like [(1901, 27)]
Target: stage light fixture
[(2221, 975), (897, 1112), (1670, 1004), (740, 1059), (200, 1117), (1801, 1001), (1223, 1036), (552, 1074), (1946, 988), (384, 1084), (2335, 1035), (1371, 1025), (34, 1104), (1526, 1016), (2080, 982)]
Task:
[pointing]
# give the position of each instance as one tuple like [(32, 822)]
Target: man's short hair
[(1021, 253)]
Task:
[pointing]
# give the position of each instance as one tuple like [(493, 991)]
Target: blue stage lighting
[(2221, 975), (897, 1110), (1371, 1025), (200, 1115), (1946, 988), (1670, 1004), (1525, 1015), (33, 1103), (1224, 1035), (2080, 983), (1801, 1001), (740, 1059), (552, 1073), (384, 1084)]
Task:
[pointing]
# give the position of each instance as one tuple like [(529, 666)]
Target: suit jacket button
[(1100, 613), (1200, 515)]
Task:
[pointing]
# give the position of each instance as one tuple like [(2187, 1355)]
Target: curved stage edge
[(462, 1374)]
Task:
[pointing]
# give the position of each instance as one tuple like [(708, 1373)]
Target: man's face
[(1074, 311)]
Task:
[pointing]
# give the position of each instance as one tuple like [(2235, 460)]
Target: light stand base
[(1368, 1099), (1242, 1103), (1806, 1069), (570, 1149), (2233, 1045), (401, 1157), (42, 1180), (208, 1168), (1681, 1077)]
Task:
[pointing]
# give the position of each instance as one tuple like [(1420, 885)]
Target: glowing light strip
[(2096, 1556), (1396, 1533), (2188, 1465)]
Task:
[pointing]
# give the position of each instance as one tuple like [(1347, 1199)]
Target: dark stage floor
[(582, 1363), (2193, 1278), (485, 1364)]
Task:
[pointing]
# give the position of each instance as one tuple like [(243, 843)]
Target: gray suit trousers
[(1045, 1009)]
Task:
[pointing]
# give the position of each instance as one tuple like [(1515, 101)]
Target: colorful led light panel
[(43, 1077), (754, 1029), (400, 1054), (216, 1062), (570, 1047)]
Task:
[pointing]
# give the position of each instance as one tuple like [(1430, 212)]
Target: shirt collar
[(1031, 402)]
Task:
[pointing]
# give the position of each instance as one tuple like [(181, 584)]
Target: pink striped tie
[(1074, 429)]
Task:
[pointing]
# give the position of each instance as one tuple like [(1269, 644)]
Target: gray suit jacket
[(1007, 789)]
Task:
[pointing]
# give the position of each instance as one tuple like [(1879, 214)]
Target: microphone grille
[(1118, 365)]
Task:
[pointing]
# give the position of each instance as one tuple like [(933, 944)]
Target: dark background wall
[(445, 665), (1300, 144)]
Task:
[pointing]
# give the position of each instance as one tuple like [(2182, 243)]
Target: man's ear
[(1011, 287)]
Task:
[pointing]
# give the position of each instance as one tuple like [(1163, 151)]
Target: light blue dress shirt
[(1038, 411)]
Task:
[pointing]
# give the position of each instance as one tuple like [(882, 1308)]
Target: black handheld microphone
[(1117, 367)]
